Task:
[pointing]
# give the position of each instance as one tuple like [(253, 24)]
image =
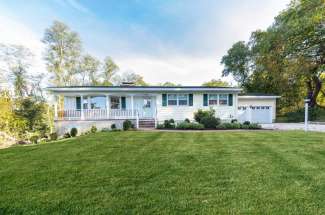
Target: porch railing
[(96, 114)]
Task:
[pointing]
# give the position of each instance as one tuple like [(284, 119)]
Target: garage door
[(255, 114)]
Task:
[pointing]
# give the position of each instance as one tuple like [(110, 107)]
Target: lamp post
[(306, 113)]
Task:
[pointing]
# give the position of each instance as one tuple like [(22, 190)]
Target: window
[(98, 102), (223, 99), (147, 103), (213, 99), (182, 99), (172, 99), (115, 102), (85, 102)]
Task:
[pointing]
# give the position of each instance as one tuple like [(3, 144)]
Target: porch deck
[(97, 114)]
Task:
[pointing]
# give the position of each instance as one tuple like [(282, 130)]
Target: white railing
[(96, 114)]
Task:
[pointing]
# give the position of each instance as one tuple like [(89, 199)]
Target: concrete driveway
[(295, 126)]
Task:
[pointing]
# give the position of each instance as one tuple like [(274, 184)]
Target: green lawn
[(167, 173)]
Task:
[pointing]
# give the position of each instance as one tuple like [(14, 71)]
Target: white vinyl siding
[(179, 113)]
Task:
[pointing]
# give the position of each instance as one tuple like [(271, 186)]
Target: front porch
[(105, 107)]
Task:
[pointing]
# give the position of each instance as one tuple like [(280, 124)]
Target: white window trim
[(177, 99), (217, 99), (226, 97), (120, 103)]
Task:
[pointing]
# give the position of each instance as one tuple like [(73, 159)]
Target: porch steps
[(146, 123)]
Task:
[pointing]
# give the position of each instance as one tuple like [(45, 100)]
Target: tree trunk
[(314, 87)]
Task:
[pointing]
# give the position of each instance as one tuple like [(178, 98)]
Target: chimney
[(128, 83)]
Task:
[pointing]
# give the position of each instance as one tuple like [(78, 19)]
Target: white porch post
[(107, 106), (55, 107), (132, 105), (82, 114)]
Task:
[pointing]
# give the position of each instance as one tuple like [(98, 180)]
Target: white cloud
[(76, 5), (178, 69)]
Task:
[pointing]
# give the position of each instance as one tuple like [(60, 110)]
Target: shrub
[(210, 122), (105, 129), (53, 136), (234, 121), (93, 129), (169, 123), (127, 125), (113, 126), (244, 126), (247, 123), (186, 125), (73, 132), (200, 114), (299, 115), (34, 139), (67, 135), (229, 126), (160, 126), (254, 126), (187, 120)]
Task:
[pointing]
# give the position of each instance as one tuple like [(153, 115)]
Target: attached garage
[(257, 108)]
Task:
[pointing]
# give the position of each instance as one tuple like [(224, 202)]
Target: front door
[(147, 108), (145, 105)]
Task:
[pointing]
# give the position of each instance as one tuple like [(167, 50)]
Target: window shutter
[(230, 100), (205, 99), (78, 103), (164, 100), (190, 99), (123, 102)]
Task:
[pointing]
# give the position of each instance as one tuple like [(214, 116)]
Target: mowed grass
[(167, 173)]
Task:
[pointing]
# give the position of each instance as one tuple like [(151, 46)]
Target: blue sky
[(180, 41)]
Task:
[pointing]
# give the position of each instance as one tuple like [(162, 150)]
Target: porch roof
[(139, 89)]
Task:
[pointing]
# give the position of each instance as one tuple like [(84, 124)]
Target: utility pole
[(306, 113)]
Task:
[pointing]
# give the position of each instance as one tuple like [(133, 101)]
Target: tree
[(16, 61), (63, 48), (88, 69), (237, 62), (109, 70), (287, 59), (216, 83), (169, 84), (32, 112), (129, 77)]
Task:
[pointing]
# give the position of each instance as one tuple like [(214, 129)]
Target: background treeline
[(287, 59)]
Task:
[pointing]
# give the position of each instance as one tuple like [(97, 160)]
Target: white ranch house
[(84, 106)]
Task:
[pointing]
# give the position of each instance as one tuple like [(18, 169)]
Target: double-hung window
[(223, 99), (172, 99), (115, 102), (213, 99), (182, 99)]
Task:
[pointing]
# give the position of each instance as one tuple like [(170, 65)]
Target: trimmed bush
[(34, 139), (169, 123), (187, 120), (53, 136), (229, 126), (93, 129), (210, 122), (113, 126), (73, 132), (67, 135), (127, 125), (160, 126), (247, 123), (234, 121), (200, 114), (186, 125), (254, 126)]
